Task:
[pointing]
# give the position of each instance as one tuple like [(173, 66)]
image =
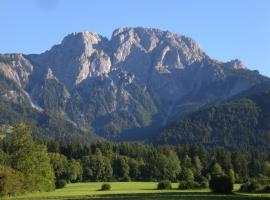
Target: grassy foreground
[(134, 191)]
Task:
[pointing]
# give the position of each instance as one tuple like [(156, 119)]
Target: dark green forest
[(243, 122), (32, 165)]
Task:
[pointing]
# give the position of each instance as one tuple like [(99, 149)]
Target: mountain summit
[(124, 87)]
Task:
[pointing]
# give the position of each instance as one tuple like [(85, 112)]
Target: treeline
[(28, 165), (104, 161)]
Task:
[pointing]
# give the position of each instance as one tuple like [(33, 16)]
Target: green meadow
[(133, 191)]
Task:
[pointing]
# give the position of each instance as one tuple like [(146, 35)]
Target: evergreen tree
[(134, 169), (121, 169), (217, 170), (240, 165), (187, 175)]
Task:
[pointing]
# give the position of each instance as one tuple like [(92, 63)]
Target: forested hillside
[(15, 107), (243, 122)]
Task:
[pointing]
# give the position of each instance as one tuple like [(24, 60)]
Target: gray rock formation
[(126, 86)]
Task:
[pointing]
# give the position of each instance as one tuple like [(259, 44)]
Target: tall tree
[(240, 165), (217, 170), (60, 165), (74, 170), (30, 158), (11, 181), (121, 168), (97, 167)]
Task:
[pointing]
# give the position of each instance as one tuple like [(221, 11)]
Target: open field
[(134, 191)]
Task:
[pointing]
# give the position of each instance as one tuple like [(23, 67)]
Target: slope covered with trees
[(242, 122), (49, 124)]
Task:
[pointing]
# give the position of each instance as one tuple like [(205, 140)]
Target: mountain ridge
[(140, 78)]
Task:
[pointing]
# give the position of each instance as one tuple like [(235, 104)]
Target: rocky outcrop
[(139, 79), (16, 67)]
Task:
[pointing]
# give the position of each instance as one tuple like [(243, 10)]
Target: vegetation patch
[(60, 183), (186, 185), (164, 185), (221, 184), (105, 187)]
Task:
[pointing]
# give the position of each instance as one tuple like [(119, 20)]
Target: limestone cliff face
[(79, 56), (138, 79), (16, 67)]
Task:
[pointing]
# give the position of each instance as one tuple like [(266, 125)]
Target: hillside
[(241, 122)]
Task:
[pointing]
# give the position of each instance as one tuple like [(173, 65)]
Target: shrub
[(221, 184), (253, 186), (164, 185), (185, 185), (266, 189), (204, 184), (105, 187), (126, 179), (61, 183)]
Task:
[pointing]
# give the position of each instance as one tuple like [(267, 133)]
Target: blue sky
[(225, 29)]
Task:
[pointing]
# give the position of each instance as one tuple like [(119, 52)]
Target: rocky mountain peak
[(170, 50), (129, 81), (79, 56), (84, 41), (235, 64), (138, 50)]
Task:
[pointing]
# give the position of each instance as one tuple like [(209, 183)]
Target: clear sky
[(225, 29)]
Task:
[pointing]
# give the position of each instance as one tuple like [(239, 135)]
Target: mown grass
[(132, 191)]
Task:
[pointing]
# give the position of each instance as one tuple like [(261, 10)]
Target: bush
[(61, 183), (221, 184), (185, 185), (266, 189), (126, 179), (204, 184), (105, 187), (253, 186), (164, 185)]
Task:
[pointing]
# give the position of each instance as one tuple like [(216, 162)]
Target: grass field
[(133, 191)]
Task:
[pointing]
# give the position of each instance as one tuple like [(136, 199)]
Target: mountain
[(242, 122), (122, 88), (17, 106)]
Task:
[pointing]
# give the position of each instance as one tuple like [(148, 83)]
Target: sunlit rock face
[(79, 56), (16, 67), (126, 86)]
